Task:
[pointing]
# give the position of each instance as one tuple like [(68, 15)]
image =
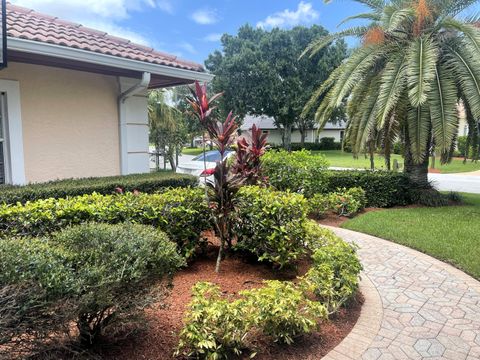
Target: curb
[(365, 330)]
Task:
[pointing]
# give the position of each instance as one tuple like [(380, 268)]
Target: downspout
[(122, 118)]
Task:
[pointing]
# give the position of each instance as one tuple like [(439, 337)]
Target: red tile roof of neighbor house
[(23, 23)]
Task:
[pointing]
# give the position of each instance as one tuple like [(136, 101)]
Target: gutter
[(64, 52), (122, 118)]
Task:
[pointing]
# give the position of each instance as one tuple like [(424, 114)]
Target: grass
[(192, 151), (448, 233), (338, 158)]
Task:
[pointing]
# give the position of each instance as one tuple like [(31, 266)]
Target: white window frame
[(14, 155)]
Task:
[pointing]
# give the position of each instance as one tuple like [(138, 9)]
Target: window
[(3, 141), (342, 134), (265, 132)]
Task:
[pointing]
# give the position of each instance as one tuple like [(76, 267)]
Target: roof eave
[(58, 51)]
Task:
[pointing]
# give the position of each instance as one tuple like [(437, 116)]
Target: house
[(73, 99), (267, 125)]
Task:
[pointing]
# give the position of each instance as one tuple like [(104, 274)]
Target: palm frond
[(418, 132), (392, 85), (422, 57), (374, 16), (467, 73), (470, 31), (443, 110), (315, 46), (394, 17), (354, 70)]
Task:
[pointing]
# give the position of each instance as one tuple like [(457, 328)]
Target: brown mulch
[(158, 342)]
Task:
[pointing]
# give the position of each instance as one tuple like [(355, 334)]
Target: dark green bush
[(334, 275), (182, 213), (97, 276), (145, 183), (382, 188), (325, 143), (270, 224), (298, 171)]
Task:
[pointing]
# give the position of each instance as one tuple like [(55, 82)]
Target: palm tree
[(165, 127), (416, 62)]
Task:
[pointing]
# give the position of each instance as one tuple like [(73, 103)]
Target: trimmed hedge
[(182, 213), (270, 224), (325, 143), (334, 275), (146, 183), (297, 171), (97, 276), (382, 188)]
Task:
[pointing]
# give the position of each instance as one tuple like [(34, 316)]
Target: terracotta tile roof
[(23, 23)]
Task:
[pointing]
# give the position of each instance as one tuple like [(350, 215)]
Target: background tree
[(416, 61), (167, 128), (261, 74)]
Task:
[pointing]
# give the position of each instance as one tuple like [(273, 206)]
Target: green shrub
[(325, 143), (398, 148), (282, 311), (318, 205), (98, 276), (145, 183), (347, 202), (298, 171), (462, 145), (343, 202), (382, 188), (182, 213), (334, 275), (270, 224), (215, 328)]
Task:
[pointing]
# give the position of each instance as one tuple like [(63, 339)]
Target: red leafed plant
[(249, 151), (246, 168)]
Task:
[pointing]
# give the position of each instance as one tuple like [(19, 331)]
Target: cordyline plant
[(246, 168), (249, 151), (418, 59)]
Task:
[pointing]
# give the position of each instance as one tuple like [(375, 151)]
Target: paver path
[(430, 309)]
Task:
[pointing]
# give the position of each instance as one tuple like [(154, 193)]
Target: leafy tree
[(261, 74), (416, 61)]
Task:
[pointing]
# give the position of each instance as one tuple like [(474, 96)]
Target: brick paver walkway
[(430, 309)]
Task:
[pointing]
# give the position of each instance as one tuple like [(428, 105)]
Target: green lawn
[(449, 233), (342, 159), (192, 151)]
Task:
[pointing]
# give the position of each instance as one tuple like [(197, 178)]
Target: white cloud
[(305, 14), (214, 37), (102, 15), (205, 17), (166, 6), (188, 47)]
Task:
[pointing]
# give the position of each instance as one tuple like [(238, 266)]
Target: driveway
[(462, 182)]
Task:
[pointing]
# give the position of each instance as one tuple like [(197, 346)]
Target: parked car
[(204, 169)]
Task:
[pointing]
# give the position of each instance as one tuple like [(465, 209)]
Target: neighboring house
[(267, 125), (73, 99)]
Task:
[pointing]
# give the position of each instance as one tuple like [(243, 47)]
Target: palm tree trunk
[(418, 173)]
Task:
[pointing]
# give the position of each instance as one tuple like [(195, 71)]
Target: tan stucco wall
[(70, 122)]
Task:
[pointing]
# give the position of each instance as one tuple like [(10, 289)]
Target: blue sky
[(192, 29)]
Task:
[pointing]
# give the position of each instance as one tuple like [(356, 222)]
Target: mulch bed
[(237, 273)]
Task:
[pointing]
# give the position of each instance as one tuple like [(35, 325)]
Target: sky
[(192, 29)]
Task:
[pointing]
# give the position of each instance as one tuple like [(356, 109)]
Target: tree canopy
[(261, 74)]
